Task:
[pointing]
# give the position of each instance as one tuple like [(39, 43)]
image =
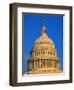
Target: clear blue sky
[(32, 24)]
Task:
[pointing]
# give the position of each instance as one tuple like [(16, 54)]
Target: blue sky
[(32, 25)]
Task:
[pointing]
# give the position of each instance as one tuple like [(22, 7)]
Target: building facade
[(43, 56)]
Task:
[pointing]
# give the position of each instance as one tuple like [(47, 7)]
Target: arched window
[(43, 52), (48, 52)]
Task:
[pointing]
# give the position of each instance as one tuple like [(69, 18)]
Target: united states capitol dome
[(43, 55)]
